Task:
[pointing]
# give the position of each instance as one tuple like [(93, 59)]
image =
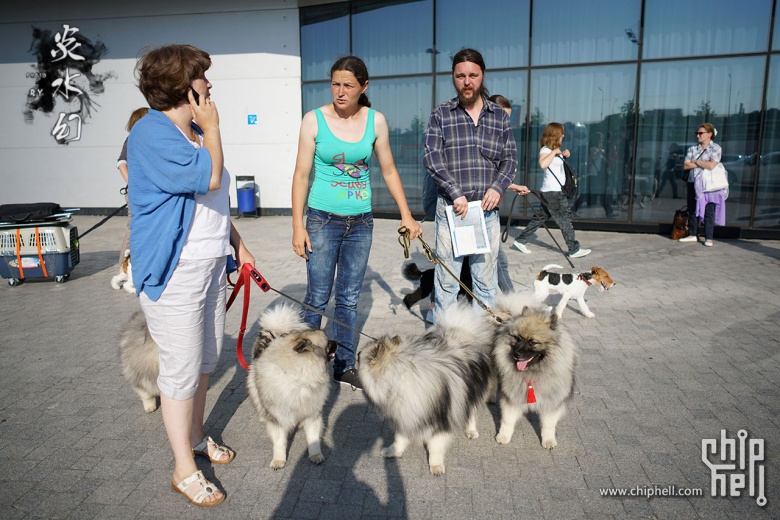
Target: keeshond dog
[(535, 358), (429, 386), (288, 380), (140, 360)]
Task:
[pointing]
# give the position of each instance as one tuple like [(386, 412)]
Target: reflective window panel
[(675, 99), (393, 37), (595, 105), (405, 103), (690, 28), (573, 31), (324, 37), (498, 30), (767, 214)]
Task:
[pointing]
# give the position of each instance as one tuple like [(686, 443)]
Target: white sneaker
[(708, 243), (521, 247), (689, 238), (580, 253)]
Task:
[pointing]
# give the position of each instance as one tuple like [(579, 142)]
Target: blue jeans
[(502, 269), (555, 205), (483, 267), (342, 241)]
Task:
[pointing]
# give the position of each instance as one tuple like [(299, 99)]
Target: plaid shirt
[(466, 160)]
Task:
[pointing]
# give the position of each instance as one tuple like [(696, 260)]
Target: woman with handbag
[(709, 207)]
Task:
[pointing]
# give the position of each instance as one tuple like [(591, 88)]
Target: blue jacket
[(165, 172)]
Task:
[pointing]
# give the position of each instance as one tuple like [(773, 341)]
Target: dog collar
[(582, 277)]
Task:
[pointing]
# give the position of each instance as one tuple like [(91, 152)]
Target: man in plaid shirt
[(470, 152)]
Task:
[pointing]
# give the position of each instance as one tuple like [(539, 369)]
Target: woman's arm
[(207, 118), (123, 170), (300, 185), (707, 165), (243, 256), (546, 160), (390, 174)]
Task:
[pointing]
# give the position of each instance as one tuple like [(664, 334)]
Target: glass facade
[(631, 80)]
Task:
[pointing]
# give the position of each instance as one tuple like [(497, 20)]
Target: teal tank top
[(341, 181)]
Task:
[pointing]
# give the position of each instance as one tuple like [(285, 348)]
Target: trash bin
[(246, 199)]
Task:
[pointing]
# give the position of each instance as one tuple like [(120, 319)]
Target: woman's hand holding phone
[(204, 110)]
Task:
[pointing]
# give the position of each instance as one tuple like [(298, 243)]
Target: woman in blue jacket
[(180, 236)]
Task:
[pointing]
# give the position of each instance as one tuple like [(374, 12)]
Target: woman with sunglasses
[(711, 206)]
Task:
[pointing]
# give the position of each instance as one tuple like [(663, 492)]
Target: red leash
[(250, 273), (247, 273)]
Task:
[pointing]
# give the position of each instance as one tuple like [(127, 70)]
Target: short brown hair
[(710, 129), (164, 73), (552, 136), (501, 101), (136, 116)]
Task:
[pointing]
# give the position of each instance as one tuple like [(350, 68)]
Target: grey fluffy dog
[(533, 350), (429, 386), (140, 360), (288, 380)]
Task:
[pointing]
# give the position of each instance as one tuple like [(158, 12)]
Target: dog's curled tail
[(411, 272), (281, 319)]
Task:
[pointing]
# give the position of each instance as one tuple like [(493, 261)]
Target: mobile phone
[(195, 95)]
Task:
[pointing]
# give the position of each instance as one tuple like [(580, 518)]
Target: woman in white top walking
[(555, 204)]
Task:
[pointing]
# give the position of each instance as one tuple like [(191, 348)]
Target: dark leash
[(505, 233), (249, 273), (430, 255), (113, 213)]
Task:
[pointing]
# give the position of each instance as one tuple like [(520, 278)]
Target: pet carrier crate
[(38, 250)]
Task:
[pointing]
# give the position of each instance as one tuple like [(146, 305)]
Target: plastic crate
[(59, 251)]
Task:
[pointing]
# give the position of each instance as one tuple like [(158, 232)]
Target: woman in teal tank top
[(338, 140)]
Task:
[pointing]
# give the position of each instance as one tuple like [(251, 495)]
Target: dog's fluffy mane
[(429, 383), (463, 323), (274, 322), (513, 303)]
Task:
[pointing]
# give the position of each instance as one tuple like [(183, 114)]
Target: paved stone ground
[(684, 346)]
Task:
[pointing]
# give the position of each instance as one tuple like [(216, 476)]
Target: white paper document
[(469, 235)]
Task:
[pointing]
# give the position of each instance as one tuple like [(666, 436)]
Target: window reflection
[(499, 31), (767, 212), (401, 101), (392, 37), (584, 32), (583, 66), (675, 28), (676, 98), (596, 107), (324, 36)]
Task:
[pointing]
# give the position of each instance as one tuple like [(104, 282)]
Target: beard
[(468, 96)]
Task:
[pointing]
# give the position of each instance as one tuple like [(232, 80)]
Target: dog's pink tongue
[(522, 365)]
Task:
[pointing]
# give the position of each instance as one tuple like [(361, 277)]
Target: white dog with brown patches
[(124, 280), (570, 286)]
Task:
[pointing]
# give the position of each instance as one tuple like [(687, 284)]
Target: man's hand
[(491, 199), (460, 206), (519, 189)]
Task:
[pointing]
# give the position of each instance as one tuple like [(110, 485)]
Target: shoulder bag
[(715, 179)]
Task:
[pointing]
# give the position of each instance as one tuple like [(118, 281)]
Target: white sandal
[(207, 489), (203, 450)]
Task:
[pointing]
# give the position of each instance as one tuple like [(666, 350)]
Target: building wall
[(255, 70)]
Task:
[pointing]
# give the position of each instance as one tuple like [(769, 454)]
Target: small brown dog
[(570, 286)]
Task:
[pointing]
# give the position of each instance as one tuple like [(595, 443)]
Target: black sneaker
[(350, 377)]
